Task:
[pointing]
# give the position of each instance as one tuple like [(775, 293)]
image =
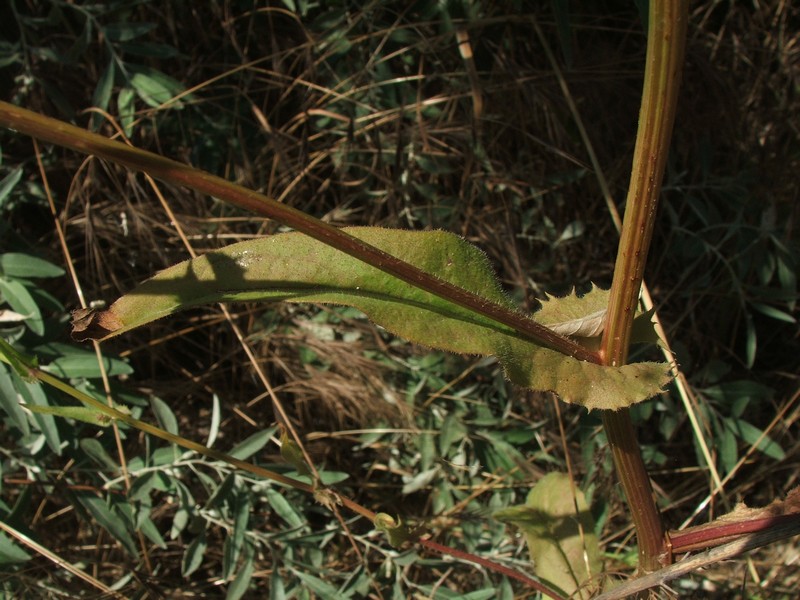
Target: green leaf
[(562, 555), (20, 363), (9, 401), (772, 312), (21, 301), (284, 510), (149, 529), (234, 542), (164, 415), (239, 586), (126, 108), (126, 31), (452, 430), (10, 553), (193, 556), (296, 268), (292, 454), (102, 93), (77, 363), (33, 394), (321, 588), (109, 521), (8, 184), (18, 264), (154, 87), (755, 437), (213, 429), (252, 444), (95, 450)]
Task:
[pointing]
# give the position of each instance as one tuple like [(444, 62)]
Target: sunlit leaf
[(560, 535), (296, 268)]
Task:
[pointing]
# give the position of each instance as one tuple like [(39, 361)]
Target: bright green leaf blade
[(21, 301), (18, 264), (562, 554), (296, 268)]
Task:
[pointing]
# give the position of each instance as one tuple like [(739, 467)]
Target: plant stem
[(75, 138), (666, 40)]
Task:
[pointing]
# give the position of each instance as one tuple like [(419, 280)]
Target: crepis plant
[(435, 289)]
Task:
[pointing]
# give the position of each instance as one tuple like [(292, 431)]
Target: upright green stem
[(665, 47)]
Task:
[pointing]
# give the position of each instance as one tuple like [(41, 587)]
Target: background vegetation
[(367, 113)]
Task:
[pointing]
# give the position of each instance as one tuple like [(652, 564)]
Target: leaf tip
[(89, 324)]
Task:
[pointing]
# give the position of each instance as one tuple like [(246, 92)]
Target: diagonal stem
[(75, 138), (666, 40)]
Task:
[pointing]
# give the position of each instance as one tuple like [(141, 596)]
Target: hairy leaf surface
[(296, 268)]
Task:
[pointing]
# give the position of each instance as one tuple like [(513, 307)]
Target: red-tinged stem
[(75, 138), (720, 532), (498, 568), (666, 40)]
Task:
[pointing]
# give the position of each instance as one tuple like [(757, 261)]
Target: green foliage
[(560, 534), (268, 270), (369, 116)]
